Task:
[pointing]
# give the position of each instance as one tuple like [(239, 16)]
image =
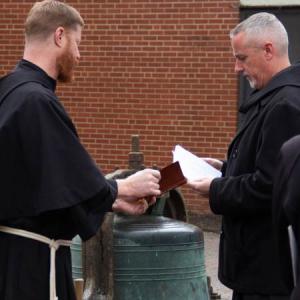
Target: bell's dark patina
[(158, 258)]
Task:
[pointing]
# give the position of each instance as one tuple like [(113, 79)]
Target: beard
[(65, 66), (252, 82)]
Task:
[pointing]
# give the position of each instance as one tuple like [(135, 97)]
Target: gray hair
[(261, 27)]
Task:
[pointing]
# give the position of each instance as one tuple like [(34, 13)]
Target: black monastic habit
[(286, 209), (49, 185)]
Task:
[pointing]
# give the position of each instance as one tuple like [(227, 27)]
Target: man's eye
[(242, 58)]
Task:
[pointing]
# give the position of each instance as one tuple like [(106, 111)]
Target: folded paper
[(192, 166)]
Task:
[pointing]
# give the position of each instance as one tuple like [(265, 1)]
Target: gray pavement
[(211, 246)]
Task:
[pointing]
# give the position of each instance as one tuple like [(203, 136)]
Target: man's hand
[(137, 207), (139, 185), (201, 186), (216, 163)]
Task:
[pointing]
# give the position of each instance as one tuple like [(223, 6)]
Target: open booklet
[(186, 166)]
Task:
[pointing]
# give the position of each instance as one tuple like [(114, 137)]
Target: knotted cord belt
[(53, 244)]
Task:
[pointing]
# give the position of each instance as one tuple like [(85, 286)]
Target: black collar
[(37, 72)]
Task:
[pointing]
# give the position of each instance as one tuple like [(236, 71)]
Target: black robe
[(243, 196), (49, 185), (286, 208)]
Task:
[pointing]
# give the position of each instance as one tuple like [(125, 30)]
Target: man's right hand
[(139, 185)]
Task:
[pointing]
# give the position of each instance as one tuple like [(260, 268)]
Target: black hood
[(287, 77)]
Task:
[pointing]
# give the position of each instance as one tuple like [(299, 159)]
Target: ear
[(59, 36), (269, 50)]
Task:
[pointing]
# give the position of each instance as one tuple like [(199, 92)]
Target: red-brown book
[(171, 177)]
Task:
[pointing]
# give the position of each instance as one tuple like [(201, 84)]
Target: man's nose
[(238, 67), (78, 55)]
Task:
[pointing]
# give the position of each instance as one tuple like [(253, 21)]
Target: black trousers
[(239, 296), (296, 293)]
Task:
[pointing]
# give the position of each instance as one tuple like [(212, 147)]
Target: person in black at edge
[(248, 263), (51, 189), (286, 209)]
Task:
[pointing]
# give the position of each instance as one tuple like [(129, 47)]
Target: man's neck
[(41, 57), (280, 65)]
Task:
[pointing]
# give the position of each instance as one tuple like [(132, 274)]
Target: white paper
[(192, 166)]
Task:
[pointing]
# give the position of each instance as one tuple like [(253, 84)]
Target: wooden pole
[(78, 283)]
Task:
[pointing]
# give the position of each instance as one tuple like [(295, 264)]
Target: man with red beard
[(51, 189)]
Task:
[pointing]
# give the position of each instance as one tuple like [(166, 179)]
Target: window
[(269, 3)]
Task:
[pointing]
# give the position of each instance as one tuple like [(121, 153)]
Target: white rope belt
[(53, 244)]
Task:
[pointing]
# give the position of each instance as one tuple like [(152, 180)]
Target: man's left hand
[(137, 207), (201, 186)]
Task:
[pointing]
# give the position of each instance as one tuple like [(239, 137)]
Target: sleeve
[(285, 191), (251, 193), (224, 167), (59, 170), (291, 200), (87, 217)]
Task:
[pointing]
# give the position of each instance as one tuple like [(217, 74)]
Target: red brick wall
[(160, 69)]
